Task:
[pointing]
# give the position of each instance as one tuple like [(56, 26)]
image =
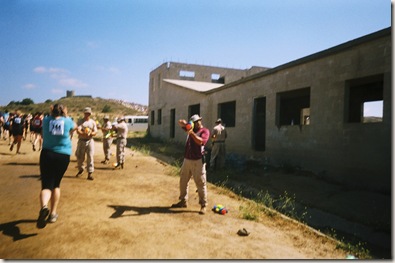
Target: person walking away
[(17, 124), (1, 123), (86, 130), (122, 133), (6, 127), (218, 151), (37, 124), (193, 164), (31, 128), (27, 118), (54, 160), (107, 139)]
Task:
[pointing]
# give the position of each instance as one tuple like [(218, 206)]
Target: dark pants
[(52, 168)]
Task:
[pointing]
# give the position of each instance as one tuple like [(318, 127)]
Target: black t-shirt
[(17, 125)]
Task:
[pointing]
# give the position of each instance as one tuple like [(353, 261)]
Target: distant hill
[(76, 105)]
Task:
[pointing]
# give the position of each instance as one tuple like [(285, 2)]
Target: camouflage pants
[(121, 144), (107, 147)]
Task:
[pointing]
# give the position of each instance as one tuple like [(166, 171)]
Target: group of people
[(56, 131), (86, 129), (15, 127)]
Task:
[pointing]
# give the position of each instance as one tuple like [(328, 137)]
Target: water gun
[(190, 125), (220, 209), (108, 134)]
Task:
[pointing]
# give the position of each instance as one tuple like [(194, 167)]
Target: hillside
[(76, 105)]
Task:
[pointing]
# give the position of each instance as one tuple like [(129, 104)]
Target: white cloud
[(58, 75), (112, 70), (70, 82), (61, 75), (57, 70), (57, 91), (29, 86), (40, 70)]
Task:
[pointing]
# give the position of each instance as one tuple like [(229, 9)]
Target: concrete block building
[(307, 113)]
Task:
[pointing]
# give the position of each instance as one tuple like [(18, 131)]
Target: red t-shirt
[(194, 151)]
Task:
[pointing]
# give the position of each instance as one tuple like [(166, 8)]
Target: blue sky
[(107, 48)]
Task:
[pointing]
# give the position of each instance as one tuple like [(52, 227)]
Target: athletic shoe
[(52, 218), (180, 204), (90, 177), (118, 166), (80, 172), (202, 210), (105, 162), (42, 217)]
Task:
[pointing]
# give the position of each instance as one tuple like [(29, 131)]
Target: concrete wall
[(356, 154)]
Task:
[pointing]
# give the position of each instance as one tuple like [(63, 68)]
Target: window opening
[(293, 107), (159, 116), (152, 117), (193, 109), (259, 124), (364, 100), (373, 111), (227, 112), (187, 75), (216, 78), (172, 123)]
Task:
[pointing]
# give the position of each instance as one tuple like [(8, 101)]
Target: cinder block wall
[(355, 154)]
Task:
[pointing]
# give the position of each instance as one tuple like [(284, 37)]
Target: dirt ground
[(126, 214)]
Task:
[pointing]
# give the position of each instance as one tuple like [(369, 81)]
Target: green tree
[(27, 101), (106, 108)]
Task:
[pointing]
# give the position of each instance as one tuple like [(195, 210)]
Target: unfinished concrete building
[(308, 113)]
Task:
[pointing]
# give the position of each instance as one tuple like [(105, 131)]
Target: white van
[(137, 123)]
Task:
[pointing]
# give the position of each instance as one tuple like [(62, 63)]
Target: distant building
[(307, 113), (70, 93)]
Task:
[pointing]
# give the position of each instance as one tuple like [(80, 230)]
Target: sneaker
[(42, 217), (105, 162), (90, 177), (118, 166), (202, 210), (180, 204), (52, 218), (80, 172)]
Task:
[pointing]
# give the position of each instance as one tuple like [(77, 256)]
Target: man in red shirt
[(194, 164)]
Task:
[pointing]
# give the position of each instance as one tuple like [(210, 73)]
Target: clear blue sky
[(107, 48)]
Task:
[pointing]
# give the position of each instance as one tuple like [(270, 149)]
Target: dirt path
[(125, 214)]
